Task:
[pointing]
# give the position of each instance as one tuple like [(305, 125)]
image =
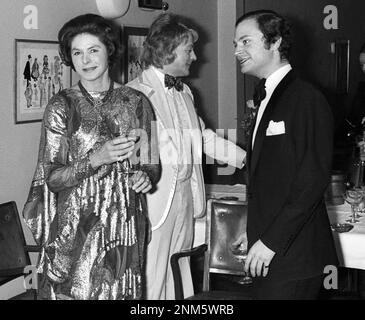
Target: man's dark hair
[(92, 24), (166, 33), (273, 26)]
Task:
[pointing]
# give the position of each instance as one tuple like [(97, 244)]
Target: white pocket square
[(275, 128)]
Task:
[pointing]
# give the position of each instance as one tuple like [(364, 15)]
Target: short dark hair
[(92, 24), (273, 26), (166, 33)]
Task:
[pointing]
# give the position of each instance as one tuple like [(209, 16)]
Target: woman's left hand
[(141, 182)]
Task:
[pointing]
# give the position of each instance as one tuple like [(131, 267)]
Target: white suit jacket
[(159, 202)]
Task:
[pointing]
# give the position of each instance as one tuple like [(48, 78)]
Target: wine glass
[(133, 161), (240, 253), (361, 206), (360, 180), (120, 124), (353, 196), (114, 123)]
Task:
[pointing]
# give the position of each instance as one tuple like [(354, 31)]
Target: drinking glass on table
[(361, 206), (360, 179), (240, 253), (354, 197)]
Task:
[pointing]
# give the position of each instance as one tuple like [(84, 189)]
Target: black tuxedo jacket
[(288, 174)]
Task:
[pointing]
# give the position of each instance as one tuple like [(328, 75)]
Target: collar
[(273, 79), (161, 76)]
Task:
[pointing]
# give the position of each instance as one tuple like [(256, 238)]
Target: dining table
[(350, 245)]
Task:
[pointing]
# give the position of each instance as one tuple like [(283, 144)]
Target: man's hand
[(258, 259)]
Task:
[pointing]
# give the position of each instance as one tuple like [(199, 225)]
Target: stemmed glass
[(354, 197), (240, 253), (119, 126), (360, 208), (360, 179)]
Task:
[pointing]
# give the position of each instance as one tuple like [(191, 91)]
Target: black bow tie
[(171, 81), (259, 93)]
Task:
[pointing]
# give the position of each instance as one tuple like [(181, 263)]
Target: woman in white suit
[(180, 195)]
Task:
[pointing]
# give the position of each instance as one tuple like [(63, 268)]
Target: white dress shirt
[(180, 118), (271, 83)]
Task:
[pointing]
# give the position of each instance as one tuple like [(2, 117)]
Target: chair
[(226, 220), (14, 253)]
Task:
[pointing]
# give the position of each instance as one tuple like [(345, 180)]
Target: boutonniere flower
[(248, 118), (250, 104)]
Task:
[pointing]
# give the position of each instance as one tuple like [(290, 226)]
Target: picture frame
[(39, 74), (133, 39)]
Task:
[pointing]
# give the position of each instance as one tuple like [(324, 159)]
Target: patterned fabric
[(91, 225), (171, 81)]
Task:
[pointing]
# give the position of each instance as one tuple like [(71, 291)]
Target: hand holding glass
[(117, 128), (240, 253)]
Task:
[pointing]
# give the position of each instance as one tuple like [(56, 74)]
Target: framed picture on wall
[(133, 39), (39, 74)]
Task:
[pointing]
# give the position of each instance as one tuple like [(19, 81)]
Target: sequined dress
[(92, 226)]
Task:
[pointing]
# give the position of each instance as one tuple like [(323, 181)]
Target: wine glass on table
[(360, 179), (240, 253), (353, 197), (361, 206)]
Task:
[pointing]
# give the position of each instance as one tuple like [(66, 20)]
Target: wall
[(228, 110), (227, 97)]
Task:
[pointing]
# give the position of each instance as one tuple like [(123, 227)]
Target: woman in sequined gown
[(83, 207)]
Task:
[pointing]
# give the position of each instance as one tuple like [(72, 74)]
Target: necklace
[(96, 102)]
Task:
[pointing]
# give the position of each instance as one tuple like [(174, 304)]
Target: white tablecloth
[(350, 245)]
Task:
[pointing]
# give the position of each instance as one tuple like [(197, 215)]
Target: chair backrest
[(226, 221), (13, 256)]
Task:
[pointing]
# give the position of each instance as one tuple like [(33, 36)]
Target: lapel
[(261, 130), (195, 132), (249, 145), (194, 122), (156, 94)]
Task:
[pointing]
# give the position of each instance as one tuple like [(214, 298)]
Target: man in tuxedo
[(289, 164), (180, 195)]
